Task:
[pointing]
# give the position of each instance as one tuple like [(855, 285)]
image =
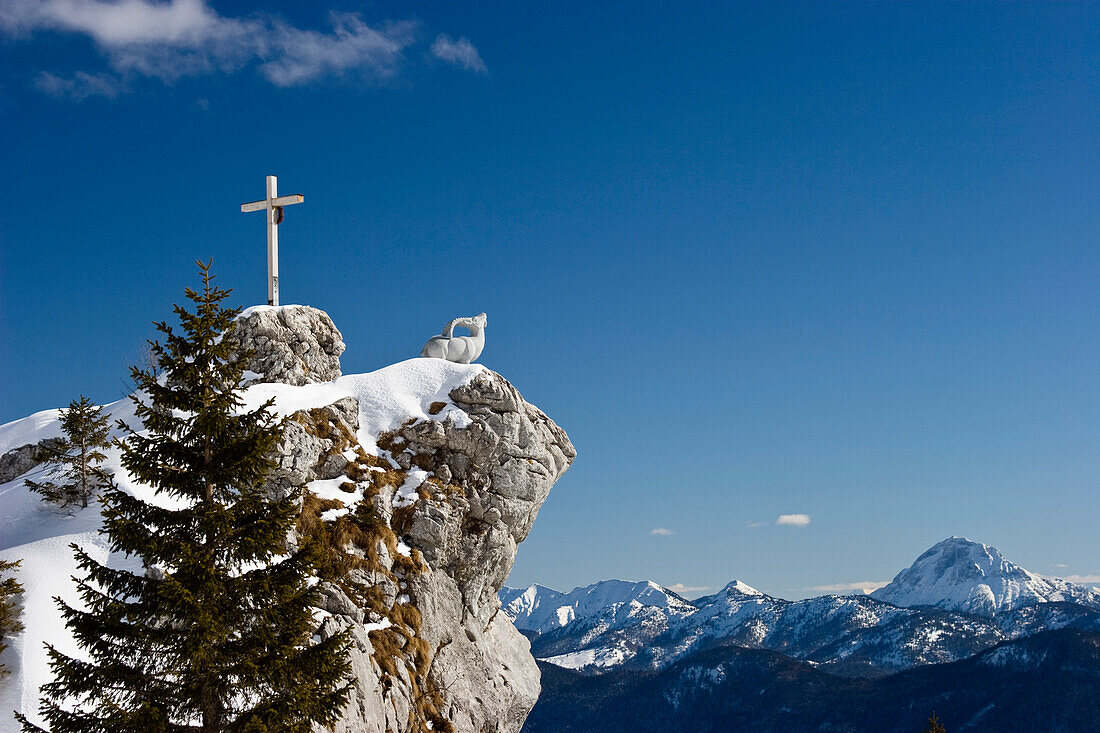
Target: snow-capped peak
[(744, 589), (542, 609), (958, 574)]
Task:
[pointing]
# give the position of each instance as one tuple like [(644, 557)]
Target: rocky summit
[(449, 457), (292, 344)]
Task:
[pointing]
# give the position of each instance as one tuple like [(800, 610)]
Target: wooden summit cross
[(273, 205)]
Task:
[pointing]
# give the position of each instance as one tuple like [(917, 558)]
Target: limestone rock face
[(506, 460), (292, 344), (455, 497), (311, 446)]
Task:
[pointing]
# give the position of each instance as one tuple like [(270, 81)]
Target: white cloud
[(753, 525), (861, 585), (459, 53), (793, 520), (80, 86), (115, 23), (662, 532), (170, 39), (166, 40), (1060, 565), (1087, 579), (681, 589), (301, 56)]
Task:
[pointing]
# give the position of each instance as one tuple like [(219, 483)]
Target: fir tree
[(78, 455), (934, 725), (215, 635), (9, 611)]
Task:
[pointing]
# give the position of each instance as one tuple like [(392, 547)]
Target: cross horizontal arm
[(294, 198)]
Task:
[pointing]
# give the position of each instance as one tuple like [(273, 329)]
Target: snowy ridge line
[(933, 618)]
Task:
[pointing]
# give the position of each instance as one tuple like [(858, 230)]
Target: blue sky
[(758, 260)]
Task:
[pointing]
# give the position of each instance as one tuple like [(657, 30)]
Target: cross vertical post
[(272, 243), (273, 207)]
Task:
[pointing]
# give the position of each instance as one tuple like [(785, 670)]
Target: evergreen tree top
[(934, 725), (75, 457), (199, 444)]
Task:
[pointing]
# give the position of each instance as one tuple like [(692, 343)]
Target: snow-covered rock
[(291, 344), (958, 574), (449, 455)]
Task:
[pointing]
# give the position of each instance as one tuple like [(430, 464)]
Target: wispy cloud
[(662, 531), (754, 525), (793, 520), (171, 39), (79, 86), (861, 585), (300, 56), (681, 589), (459, 53), (1087, 579), (1060, 565)]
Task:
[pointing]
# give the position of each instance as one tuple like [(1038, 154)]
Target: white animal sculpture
[(461, 349)]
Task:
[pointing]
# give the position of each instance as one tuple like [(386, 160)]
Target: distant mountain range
[(958, 603)]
